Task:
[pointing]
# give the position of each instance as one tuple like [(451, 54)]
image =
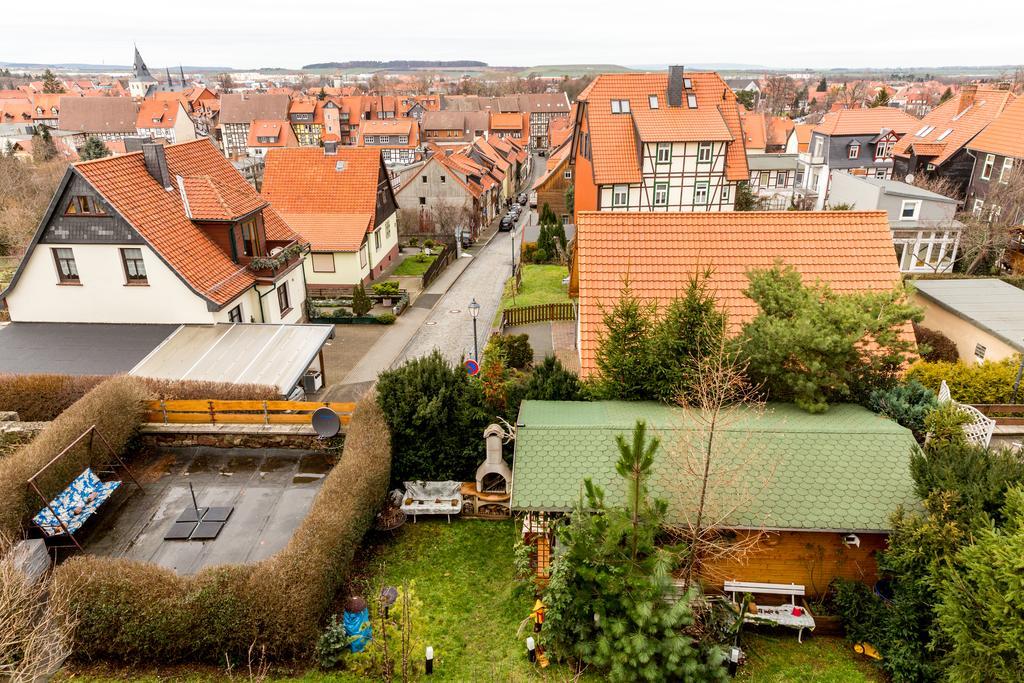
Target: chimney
[(156, 163), (675, 86), (967, 94)]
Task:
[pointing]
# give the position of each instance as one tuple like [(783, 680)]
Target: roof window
[(653, 100), (687, 83), (944, 135), (620, 106), (691, 100)]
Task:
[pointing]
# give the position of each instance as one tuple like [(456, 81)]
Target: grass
[(780, 658), (463, 577), (414, 266), (541, 285)]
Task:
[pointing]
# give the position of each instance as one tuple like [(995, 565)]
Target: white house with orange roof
[(266, 135), (397, 139), (168, 235), (165, 118)]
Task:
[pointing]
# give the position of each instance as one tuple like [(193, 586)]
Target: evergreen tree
[(822, 85), (549, 381), (322, 95), (570, 199), (747, 98), (691, 328), (745, 199), (361, 303), (51, 84), (948, 93), (881, 99), (624, 349), (610, 598), (93, 149), (811, 345)]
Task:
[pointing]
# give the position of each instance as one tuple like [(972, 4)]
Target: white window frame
[(764, 178), (652, 100), (318, 268), (987, 166), (1006, 170), (915, 209), (567, 174), (691, 100), (979, 206), (781, 178), (665, 147), (615, 107), (818, 142), (662, 189), (385, 139), (699, 187), (725, 192), (703, 152), (979, 352), (618, 190), (854, 151)]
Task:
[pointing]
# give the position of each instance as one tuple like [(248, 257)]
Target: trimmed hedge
[(42, 397), (138, 612), (988, 382), (940, 347), (114, 406)]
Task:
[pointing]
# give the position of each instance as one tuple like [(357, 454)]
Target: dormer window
[(250, 238), (81, 205), (854, 150)]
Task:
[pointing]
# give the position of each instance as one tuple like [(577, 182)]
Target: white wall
[(347, 270), (103, 296)]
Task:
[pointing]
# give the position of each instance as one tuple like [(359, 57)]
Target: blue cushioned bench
[(75, 504)]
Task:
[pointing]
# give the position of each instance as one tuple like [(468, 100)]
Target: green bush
[(361, 304), (539, 256), (530, 252), (988, 382), (549, 381), (435, 415), (42, 397), (517, 349), (386, 318), (114, 406), (935, 346), (136, 612), (908, 404), (387, 288)]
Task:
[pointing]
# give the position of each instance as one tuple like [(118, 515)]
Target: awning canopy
[(274, 355)]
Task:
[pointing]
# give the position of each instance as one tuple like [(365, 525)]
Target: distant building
[(981, 316), (238, 111), (107, 118), (165, 119), (267, 135), (142, 80), (924, 231), (397, 139)]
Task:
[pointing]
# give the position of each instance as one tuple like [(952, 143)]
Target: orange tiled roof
[(332, 231), (157, 113), (803, 135), (850, 250), (559, 130), (955, 129), (280, 131), (756, 137), (613, 136), (306, 180), (779, 128), (927, 149), (159, 215), (508, 121), (210, 200), (1005, 135), (865, 121)]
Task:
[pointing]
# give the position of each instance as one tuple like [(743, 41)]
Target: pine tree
[(322, 95), (361, 303), (948, 93), (881, 99), (94, 148), (51, 84), (623, 351), (822, 85)]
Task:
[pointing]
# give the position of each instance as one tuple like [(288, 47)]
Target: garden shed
[(822, 488)]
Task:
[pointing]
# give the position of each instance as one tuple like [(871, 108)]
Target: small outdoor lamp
[(388, 596), (429, 663), (474, 310), (531, 649)]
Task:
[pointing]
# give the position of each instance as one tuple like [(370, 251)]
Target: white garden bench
[(781, 615)]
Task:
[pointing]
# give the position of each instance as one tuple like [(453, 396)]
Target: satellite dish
[(910, 178), (326, 423)]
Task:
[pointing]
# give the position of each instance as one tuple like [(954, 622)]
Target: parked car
[(507, 222), (533, 200), (522, 199)]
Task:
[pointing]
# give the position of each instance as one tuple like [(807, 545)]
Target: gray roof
[(902, 189), (76, 348), (97, 114), (240, 108), (988, 303), (772, 162)]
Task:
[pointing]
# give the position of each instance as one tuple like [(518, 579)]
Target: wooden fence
[(241, 412), (1003, 413), (446, 256), (524, 315)]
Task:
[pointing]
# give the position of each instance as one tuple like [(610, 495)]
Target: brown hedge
[(43, 397), (114, 406), (139, 612)]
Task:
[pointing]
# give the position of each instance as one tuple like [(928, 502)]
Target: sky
[(261, 33)]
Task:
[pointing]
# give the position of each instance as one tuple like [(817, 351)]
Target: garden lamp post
[(474, 311)]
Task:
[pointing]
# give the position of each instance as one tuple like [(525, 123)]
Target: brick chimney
[(675, 86), (967, 95), (156, 163)]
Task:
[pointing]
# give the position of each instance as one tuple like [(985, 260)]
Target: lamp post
[(474, 311)]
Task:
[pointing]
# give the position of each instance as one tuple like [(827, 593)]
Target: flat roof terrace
[(271, 490)]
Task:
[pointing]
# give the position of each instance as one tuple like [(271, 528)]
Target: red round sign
[(472, 367)]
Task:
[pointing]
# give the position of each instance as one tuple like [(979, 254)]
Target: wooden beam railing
[(1003, 413), (241, 412)]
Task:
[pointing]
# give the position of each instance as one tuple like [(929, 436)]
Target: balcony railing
[(269, 266)]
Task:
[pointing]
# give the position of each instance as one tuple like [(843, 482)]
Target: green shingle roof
[(845, 470)]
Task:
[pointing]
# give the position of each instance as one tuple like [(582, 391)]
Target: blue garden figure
[(357, 623)]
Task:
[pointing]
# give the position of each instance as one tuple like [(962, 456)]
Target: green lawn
[(541, 285), (781, 659), (414, 265)]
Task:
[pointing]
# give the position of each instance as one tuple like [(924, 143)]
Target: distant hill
[(571, 70), (103, 68), (396, 64)]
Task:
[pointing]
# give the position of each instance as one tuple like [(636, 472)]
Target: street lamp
[(474, 310)]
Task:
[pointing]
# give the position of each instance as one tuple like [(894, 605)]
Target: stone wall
[(235, 436)]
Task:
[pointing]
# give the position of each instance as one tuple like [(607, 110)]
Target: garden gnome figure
[(357, 623)]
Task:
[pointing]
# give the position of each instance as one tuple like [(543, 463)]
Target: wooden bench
[(781, 615)]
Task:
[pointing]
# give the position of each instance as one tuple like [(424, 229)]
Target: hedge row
[(43, 397), (114, 406), (138, 612), (988, 382)]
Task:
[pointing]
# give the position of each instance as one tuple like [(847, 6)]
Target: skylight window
[(687, 83), (945, 134), (620, 106), (653, 100), (920, 132), (691, 100)]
